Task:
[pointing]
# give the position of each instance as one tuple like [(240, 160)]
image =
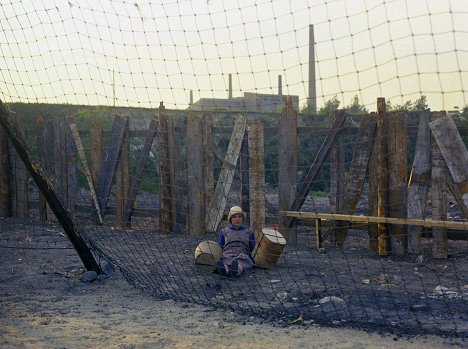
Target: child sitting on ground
[(237, 242)]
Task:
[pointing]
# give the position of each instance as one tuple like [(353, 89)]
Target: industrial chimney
[(312, 100)]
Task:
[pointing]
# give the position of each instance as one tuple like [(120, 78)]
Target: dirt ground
[(44, 304)]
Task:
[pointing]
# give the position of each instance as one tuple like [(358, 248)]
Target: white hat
[(235, 210)]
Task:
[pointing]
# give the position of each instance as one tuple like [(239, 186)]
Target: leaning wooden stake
[(303, 191), (84, 162), (223, 186), (418, 184), (135, 186), (45, 185)]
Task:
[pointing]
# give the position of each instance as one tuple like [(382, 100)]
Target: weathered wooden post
[(383, 245), (337, 179), (439, 196), (196, 187), (244, 174), (287, 165), (95, 151), (122, 179), (372, 195), (45, 144), (256, 177), (5, 173), (20, 182), (397, 179), (418, 184), (166, 165), (71, 178)]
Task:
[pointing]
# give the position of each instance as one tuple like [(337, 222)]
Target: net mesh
[(249, 117)]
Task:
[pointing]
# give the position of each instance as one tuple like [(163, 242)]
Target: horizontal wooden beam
[(371, 219)]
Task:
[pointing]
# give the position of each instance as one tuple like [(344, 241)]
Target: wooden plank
[(71, 179), (122, 179), (303, 191), (357, 173), (256, 176), (372, 194), (166, 167), (45, 184), (109, 163), (383, 242), (218, 203), (79, 146), (428, 223), (397, 179), (418, 184), (6, 208), (287, 165), (453, 151), (439, 190), (143, 158)]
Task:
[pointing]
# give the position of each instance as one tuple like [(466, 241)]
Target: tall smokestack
[(230, 86), (280, 86), (312, 99), (191, 97)]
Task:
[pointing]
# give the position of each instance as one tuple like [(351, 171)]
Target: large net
[(130, 128)]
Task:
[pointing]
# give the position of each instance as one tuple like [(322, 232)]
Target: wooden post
[(5, 174), (287, 165), (71, 178), (372, 194), (166, 173), (122, 179), (439, 195), (397, 167), (196, 187), (95, 151), (244, 170), (418, 184), (337, 180), (21, 188), (208, 161), (45, 184), (383, 244), (223, 186), (318, 233), (47, 144), (256, 177)]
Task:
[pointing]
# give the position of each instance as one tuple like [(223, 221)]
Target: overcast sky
[(138, 53)]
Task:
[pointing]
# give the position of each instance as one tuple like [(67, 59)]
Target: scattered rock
[(89, 276), (331, 299)]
